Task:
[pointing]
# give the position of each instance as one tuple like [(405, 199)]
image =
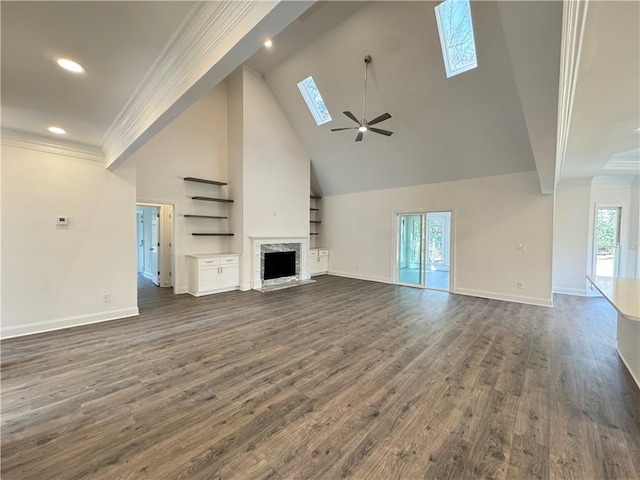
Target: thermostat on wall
[(62, 221)]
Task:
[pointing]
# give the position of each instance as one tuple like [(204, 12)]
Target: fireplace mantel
[(256, 252)]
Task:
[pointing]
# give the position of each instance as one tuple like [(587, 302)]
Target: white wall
[(571, 239), (575, 205), (55, 276), (193, 145), (634, 231), (490, 215), (275, 171)]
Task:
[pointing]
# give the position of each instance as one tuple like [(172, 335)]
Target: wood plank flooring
[(337, 379)]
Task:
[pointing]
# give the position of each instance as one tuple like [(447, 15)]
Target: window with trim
[(314, 101), (456, 36)]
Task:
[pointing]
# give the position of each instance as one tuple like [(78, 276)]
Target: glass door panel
[(437, 260), (410, 255), (607, 241)]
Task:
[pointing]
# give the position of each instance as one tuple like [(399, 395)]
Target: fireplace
[(279, 264), (278, 261)]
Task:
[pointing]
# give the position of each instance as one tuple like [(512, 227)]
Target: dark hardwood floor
[(337, 379)]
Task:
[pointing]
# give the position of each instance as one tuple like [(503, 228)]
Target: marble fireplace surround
[(262, 245)]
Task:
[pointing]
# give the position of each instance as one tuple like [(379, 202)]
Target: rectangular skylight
[(456, 36), (314, 101)]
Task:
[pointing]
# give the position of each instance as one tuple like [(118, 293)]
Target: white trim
[(613, 180), (543, 302), (574, 18), (356, 276), (214, 291), (40, 143), (628, 367), (69, 322), (579, 292), (184, 60)]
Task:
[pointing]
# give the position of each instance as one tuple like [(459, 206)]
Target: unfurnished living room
[(320, 240)]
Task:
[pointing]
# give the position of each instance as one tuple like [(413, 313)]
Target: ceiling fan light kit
[(363, 124)]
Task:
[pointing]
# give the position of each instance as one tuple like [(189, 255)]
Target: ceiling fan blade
[(346, 128), (352, 117), (359, 137), (381, 118), (381, 132)]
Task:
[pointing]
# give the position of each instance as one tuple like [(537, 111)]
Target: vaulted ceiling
[(147, 61), (470, 125)]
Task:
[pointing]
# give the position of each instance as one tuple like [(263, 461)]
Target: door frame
[(395, 252), (174, 234), (621, 238)]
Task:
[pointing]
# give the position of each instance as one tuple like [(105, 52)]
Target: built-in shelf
[(314, 209), (202, 180), (313, 233), (313, 197), (203, 216), (211, 199), (213, 234), (315, 221)]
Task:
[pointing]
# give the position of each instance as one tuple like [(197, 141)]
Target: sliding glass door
[(411, 241), (424, 243)]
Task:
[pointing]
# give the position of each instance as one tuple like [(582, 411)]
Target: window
[(314, 101), (456, 36)]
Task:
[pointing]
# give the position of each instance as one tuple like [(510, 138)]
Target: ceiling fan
[(363, 124)]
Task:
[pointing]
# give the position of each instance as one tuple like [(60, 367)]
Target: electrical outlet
[(520, 247), (106, 297), (520, 284)]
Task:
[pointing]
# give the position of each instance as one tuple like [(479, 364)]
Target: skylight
[(314, 101), (456, 36)]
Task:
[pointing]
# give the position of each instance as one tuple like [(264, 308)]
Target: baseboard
[(245, 287), (62, 323), (628, 368), (542, 302), (579, 292), (360, 277), (182, 290)]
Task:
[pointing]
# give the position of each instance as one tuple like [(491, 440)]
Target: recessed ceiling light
[(70, 65), (268, 43), (57, 130)]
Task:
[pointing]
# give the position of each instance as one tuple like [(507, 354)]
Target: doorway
[(155, 244), (424, 249), (607, 241)]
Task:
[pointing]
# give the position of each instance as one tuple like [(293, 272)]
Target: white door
[(154, 245), (140, 240)]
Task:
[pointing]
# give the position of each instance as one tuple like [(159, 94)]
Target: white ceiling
[(117, 42), (606, 110), (468, 126), (499, 118)]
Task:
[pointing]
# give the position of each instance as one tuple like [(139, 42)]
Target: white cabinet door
[(208, 279), (229, 276)]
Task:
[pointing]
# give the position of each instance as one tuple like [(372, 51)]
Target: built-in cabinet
[(213, 273), (318, 261)]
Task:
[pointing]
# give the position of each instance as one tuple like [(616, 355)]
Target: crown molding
[(574, 17), (186, 57), (40, 143), (613, 181)]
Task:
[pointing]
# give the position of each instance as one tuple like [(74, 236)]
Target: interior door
[(154, 245), (410, 248), (140, 240)]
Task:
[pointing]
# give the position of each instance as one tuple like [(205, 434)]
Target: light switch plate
[(62, 221)]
